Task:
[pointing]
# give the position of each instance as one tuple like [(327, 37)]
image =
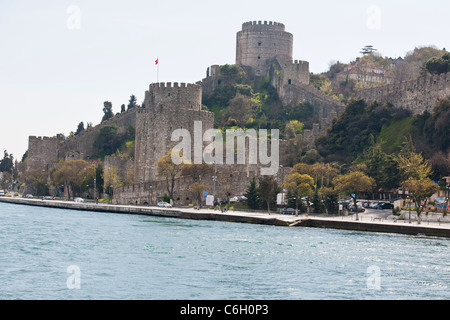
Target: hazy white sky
[(60, 60)]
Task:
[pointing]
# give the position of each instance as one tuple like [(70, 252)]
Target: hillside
[(362, 126)]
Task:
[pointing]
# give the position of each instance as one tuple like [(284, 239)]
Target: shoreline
[(275, 219)]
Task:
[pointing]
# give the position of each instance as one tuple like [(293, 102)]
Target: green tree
[(420, 190), (267, 190), (197, 172), (416, 172), (71, 174), (122, 108), (107, 110), (107, 140), (382, 167), (7, 163), (167, 169), (111, 180), (79, 128), (252, 195), (132, 102), (353, 183), (438, 65), (196, 189), (298, 185)]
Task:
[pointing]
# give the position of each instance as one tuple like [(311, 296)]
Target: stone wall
[(327, 107), (261, 41), (167, 108), (83, 143), (416, 95), (235, 180), (294, 72), (124, 168), (42, 152)]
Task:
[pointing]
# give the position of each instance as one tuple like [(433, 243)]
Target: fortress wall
[(143, 193), (155, 124), (84, 141), (295, 72), (42, 152), (258, 42), (416, 95), (123, 165), (174, 95)]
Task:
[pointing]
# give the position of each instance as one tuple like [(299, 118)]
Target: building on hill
[(368, 75)]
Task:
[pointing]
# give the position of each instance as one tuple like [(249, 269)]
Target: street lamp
[(409, 199), (214, 179), (409, 209), (150, 199)]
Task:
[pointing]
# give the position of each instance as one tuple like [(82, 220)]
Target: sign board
[(280, 198), (209, 200), (205, 193)]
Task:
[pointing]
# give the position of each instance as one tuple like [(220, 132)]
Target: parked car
[(345, 203), (386, 205), (351, 207), (288, 211), (374, 205), (29, 196), (164, 204), (365, 203), (48, 198), (2, 192), (78, 199)]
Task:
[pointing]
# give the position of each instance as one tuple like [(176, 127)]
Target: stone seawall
[(410, 229), (154, 211), (244, 217)]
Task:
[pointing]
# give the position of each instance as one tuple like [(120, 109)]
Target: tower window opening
[(259, 44), (259, 57), (289, 81)]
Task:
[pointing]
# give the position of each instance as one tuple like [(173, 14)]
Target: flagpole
[(157, 69)]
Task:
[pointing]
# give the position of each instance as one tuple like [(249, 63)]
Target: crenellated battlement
[(43, 138), (174, 95), (300, 62), (266, 25), (175, 85)]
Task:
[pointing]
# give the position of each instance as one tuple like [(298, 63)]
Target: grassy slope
[(393, 135)]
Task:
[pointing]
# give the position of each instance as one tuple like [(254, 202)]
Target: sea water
[(48, 253)]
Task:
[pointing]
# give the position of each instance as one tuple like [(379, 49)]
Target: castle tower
[(42, 152), (258, 42), (167, 107)]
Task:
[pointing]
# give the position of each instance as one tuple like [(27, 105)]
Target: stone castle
[(263, 50)]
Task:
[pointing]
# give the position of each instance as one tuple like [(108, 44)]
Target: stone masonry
[(42, 152), (416, 95)]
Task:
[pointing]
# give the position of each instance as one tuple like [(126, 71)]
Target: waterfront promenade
[(371, 220)]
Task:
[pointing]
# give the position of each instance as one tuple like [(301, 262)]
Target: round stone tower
[(260, 41)]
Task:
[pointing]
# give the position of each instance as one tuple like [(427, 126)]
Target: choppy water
[(64, 254)]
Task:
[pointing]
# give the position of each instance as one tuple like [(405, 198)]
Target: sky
[(60, 60)]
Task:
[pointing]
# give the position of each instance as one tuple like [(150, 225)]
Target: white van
[(2, 192)]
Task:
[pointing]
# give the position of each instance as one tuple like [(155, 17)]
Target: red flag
[(156, 61)]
